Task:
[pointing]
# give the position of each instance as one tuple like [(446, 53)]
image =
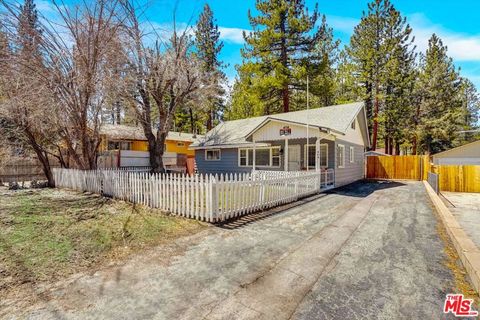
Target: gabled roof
[(468, 145), (335, 118), (124, 132)]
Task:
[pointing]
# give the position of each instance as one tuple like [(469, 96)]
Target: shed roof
[(124, 132), (336, 118), (474, 144)]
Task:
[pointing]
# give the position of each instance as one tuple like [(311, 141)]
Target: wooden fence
[(19, 170), (455, 178), (458, 178), (204, 197), (396, 167)]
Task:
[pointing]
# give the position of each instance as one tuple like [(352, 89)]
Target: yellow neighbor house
[(123, 137)]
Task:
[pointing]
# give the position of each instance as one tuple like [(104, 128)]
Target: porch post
[(285, 156), (254, 154), (317, 155)]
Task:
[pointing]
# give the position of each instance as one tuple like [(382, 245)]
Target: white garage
[(468, 154)]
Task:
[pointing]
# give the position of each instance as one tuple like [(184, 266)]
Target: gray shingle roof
[(336, 118)]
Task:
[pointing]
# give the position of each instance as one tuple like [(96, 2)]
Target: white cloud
[(343, 24), (233, 35), (461, 47)]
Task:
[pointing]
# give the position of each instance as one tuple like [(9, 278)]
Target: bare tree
[(161, 77), (73, 69)]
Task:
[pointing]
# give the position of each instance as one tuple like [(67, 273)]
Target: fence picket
[(203, 197)]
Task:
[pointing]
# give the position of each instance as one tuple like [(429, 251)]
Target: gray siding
[(227, 164), (352, 171)]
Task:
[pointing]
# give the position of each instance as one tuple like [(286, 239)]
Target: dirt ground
[(368, 250), (48, 234)]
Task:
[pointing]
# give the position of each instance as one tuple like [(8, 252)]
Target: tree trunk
[(397, 148), (209, 121), (284, 60), (390, 146), (42, 157), (414, 143), (386, 144), (375, 124), (192, 120)]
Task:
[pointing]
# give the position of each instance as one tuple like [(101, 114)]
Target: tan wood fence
[(458, 178), (396, 167), (455, 178)]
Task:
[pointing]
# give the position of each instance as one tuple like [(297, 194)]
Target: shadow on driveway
[(359, 189)]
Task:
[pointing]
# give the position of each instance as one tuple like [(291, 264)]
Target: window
[(212, 155), (353, 125), (352, 154), (264, 157), (242, 157), (341, 156), (180, 144), (311, 155), (276, 157), (119, 145)]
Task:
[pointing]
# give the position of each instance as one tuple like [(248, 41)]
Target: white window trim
[(352, 154), (219, 154), (343, 156), (258, 166), (305, 155)]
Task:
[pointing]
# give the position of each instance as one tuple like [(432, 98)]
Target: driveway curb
[(467, 250)]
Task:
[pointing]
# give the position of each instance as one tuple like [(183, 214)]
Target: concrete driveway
[(369, 250)]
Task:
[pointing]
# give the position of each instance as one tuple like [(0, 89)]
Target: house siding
[(229, 158), (352, 171)]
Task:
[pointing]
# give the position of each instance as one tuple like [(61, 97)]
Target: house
[(337, 138), (468, 154), (126, 146)]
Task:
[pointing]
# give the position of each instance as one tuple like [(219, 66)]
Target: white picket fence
[(210, 198)]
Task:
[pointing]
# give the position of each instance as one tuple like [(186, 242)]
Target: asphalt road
[(369, 250)]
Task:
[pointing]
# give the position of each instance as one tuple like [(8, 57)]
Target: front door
[(294, 161)]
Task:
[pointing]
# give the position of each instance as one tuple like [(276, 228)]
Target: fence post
[(214, 196)]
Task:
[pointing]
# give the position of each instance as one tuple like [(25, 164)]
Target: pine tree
[(275, 52), (208, 45), (29, 31), (320, 65), (440, 111), (398, 82), (368, 53)]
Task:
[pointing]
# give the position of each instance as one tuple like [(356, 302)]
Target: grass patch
[(48, 234)]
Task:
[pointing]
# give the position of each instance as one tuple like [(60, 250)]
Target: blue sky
[(456, 22)]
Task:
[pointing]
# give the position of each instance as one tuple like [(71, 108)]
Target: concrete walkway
[(369, 250)]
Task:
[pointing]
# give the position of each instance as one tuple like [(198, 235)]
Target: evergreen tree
[(440, 111), (368, 53), (398, 83), (29, 31), (208, 47), (274, 53), (320, 65)]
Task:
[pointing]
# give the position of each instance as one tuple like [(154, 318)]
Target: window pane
[(311, 156), (276, 161), (323, 156), (262, 157)]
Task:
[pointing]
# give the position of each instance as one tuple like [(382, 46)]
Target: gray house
[(337, 138)]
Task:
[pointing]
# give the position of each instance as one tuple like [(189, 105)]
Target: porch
[(282, 146)]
